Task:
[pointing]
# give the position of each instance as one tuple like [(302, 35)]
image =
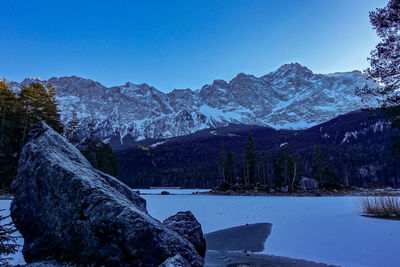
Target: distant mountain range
[(290, 97)]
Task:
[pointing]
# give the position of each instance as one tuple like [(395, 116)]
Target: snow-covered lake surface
[(322, 229)]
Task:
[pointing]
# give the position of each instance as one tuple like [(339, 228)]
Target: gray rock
[(176, 261), (272, 191), (47, 264), (187, 226), (67, 211), (308, 183), (284, 189)]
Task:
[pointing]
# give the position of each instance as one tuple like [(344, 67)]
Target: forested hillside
[(353, 149)]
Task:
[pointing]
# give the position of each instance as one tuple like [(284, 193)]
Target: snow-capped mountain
[(290, 97)]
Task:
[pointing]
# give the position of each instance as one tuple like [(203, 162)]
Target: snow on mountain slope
[(290, 97)]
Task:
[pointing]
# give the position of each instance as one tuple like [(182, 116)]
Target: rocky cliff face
[(67, 211), (290, 97)]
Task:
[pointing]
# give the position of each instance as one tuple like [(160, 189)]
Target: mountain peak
[(136, 89), (243, 75), (180, 91), (28, 81), (220, 83), (294, 68)]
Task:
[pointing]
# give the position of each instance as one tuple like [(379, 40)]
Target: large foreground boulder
[(67, 211), (187, 226)]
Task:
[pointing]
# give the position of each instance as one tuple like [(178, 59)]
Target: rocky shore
[(354, 191)]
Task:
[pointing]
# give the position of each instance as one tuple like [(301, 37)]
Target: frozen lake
[(322, 229)]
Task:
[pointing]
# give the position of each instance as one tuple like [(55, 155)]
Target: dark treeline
[(281, 170), (350, 150)]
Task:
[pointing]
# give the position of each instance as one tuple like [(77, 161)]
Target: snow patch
[(292, 125), (378, 126), (348, 135), (219, 114), (157, 144)]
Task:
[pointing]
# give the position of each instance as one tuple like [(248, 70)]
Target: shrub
[(223, 187), (8, 240), (384, 207)]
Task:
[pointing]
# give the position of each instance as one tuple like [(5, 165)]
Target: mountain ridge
[(290, 97)]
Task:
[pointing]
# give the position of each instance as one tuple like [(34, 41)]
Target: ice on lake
[(322, 229)]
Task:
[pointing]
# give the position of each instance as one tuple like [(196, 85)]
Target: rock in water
[(67, 211), (187, 226)]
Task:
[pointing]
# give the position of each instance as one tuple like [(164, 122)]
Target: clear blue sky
[(181, 44)]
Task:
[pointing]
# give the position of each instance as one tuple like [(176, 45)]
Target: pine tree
[(221, 161), (318, 167), (283, 168), (107, 160), (8, 119), (295, 162), (385, 58), (38, 104), (9, 135), (34, 103), (230, 169), (100, 155), (264, 169), (91, 130), (28, 110), (52, 113), (277, 173), (250, 162), (72, 129), (330, 177), (7, 96), (385, 66)]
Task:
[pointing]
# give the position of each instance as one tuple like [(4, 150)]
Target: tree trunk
[(294, 173)]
